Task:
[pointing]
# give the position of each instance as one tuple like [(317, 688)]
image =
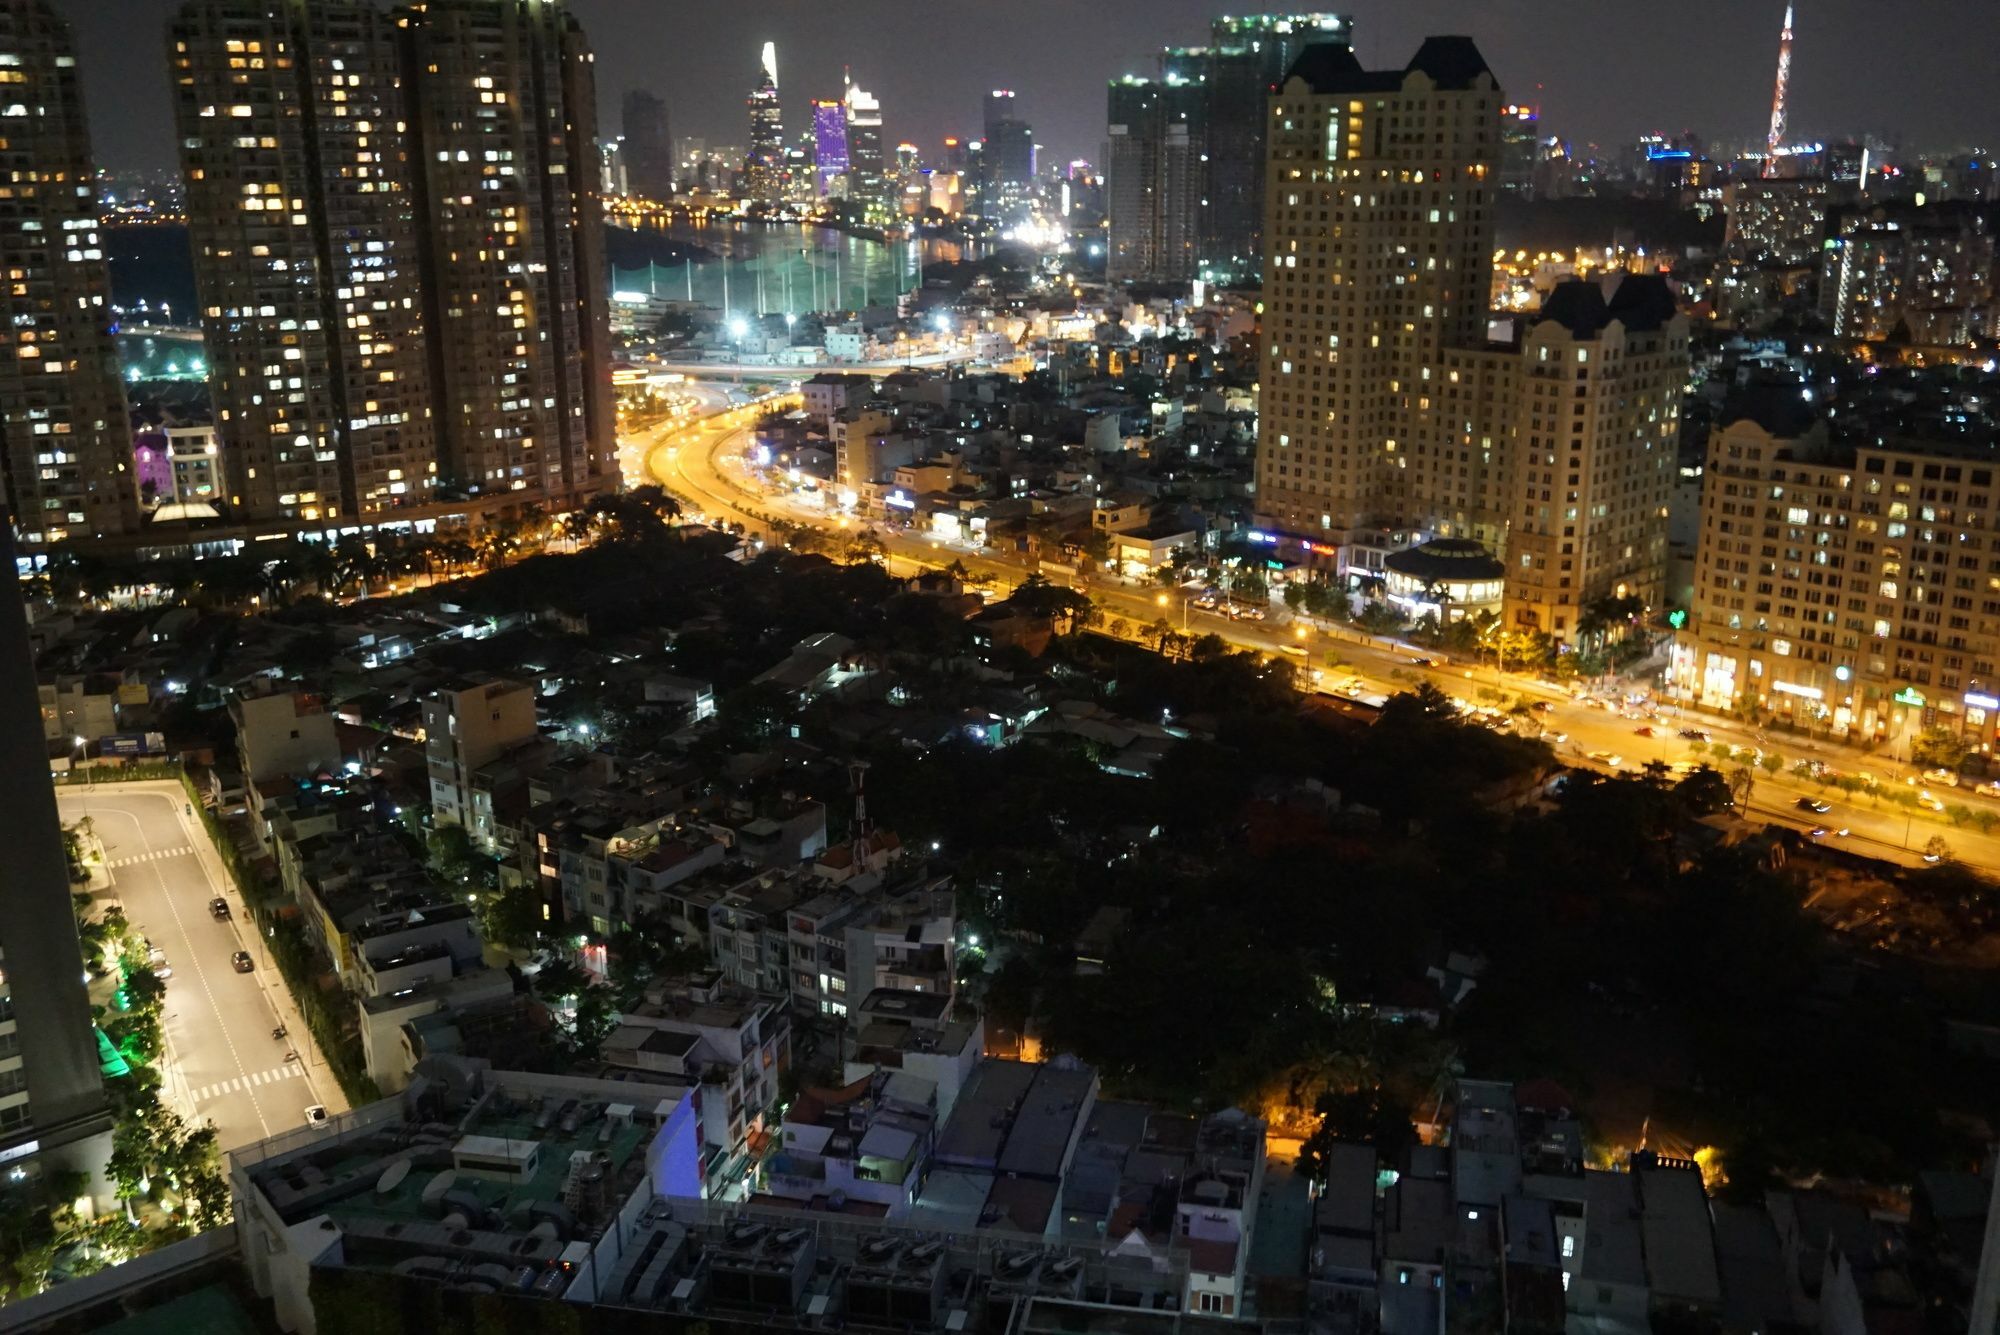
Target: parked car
[(1942, 777), (156, 960), (242, 963), (218, 908), (316, 1115)]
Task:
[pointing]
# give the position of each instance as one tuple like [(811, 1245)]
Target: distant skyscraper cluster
[(1185, 166)]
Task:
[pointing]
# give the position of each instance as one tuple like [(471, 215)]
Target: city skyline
[(1602, 72)]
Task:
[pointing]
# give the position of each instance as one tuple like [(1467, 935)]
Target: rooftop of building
[(1331, 68), (1447, 559), (1641, 303), (467, 1161)]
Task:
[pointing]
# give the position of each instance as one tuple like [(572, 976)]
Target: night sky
[(1605, 71)]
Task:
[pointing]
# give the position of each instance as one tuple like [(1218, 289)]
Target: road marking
[(245, 1082), (159, 855)]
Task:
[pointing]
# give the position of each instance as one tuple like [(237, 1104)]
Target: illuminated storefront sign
[(1909, 695)]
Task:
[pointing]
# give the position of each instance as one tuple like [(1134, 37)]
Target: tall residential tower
[(65, 442), (303, 224), (503, 125), (1388, 416)]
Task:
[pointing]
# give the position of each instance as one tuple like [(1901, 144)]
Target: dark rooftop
[(1640, 302), (1330, 67)]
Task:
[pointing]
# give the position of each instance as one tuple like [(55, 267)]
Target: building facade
[(468, 725), (764, 164), (866, 180), (1155, 131), (52, 1101), (502, 112), (647, 153), (1379, 249), (1920, 273), (66, 467), (1389, 414), (305, 237), (1855, 589), (1247, 57)]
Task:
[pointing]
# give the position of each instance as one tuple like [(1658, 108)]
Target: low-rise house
[(918, 1033), (867, 1142)]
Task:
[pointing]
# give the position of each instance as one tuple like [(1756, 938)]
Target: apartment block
[(1391, 413), (1594, 438), (1928, 273), (1850, 586), (304, 228), (469, 724), (501, 103), (66, 468)]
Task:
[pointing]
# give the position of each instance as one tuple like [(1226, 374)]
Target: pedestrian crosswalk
[(157, 855), (245, 1082)]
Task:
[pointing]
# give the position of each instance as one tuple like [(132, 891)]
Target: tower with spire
[(1777, 135)]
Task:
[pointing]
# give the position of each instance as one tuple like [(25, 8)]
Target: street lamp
[(1162, 601)]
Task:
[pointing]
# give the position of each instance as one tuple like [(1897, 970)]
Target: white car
[(316, 1115), (1606, 759), (156, 960)]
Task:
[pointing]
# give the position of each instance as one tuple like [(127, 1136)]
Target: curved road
[(702, 463)]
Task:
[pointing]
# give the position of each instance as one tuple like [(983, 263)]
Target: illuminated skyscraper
[(830, 146), (864, 148), (1247, 58), (1006, 194), (1156, 134), (503, 123), (65, 446), (304, 231), (764, 164)]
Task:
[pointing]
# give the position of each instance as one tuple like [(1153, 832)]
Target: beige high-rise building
[(65, 442), (1388, 415), (1594, 448), (503, 123), (1377, 259), (301, 213), (1853, 588)]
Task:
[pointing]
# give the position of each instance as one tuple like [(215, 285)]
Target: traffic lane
[(223, 1066)]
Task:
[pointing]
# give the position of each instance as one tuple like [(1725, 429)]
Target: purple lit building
[(829, 143), (155, 471)]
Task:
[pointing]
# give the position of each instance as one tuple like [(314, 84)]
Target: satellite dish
[(435, 1189), (392, 1177)]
